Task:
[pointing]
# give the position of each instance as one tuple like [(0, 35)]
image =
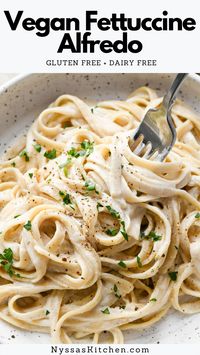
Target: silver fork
[(156, 134)]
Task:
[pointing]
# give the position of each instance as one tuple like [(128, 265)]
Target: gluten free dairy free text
[(98, 62)]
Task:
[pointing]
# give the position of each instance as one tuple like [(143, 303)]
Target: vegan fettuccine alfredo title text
[(78, 37)]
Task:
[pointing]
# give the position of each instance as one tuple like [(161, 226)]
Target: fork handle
[(169, 98)]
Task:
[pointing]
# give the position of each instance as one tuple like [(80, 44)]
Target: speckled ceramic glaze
[(20, 102)]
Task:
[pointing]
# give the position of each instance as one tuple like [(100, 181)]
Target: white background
[(23, 51)]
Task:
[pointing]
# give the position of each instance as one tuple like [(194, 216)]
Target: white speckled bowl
[(20, 102)]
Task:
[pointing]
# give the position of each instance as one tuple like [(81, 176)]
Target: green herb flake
[(153, 300), (86, 150), (87, 147), (6, 261), (50, 154), (66, 163), (65, 171), (28, 226), (122, 264), (90, 186), (47, 312), (73, 152), (99, 205), (152, 235), (139, 261), (113, 212), (24, 155), (197, 215), (31, 175), (66, 199), (112, 232), (116, 291), (17, 275), (18, 215), (123, 230), (106, 311), (37, 148), (173, 275), (13, 164)]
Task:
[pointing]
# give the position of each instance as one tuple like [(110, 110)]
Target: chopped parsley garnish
[(24, 155), (106, 311), (13, 164), (139, 261), (18, 215), (112, 232), (152, 235), (67, 162), (47, 312), (66, 199), (50, 154), (73, 152), (173, 275), (65, 166), (197, 215), (37, 147), (122, 264), (123, 230), (99, 205), (86, 150), (65, 171), (153, 300), (116, 291), (116, 214), (31, 175), (28, 226), (90, 186), (6, 261), (113, 212), (87, 147)]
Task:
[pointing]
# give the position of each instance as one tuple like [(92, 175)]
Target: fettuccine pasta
[(93, 238)]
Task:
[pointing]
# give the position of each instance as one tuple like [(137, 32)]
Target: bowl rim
[(20, 77)]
